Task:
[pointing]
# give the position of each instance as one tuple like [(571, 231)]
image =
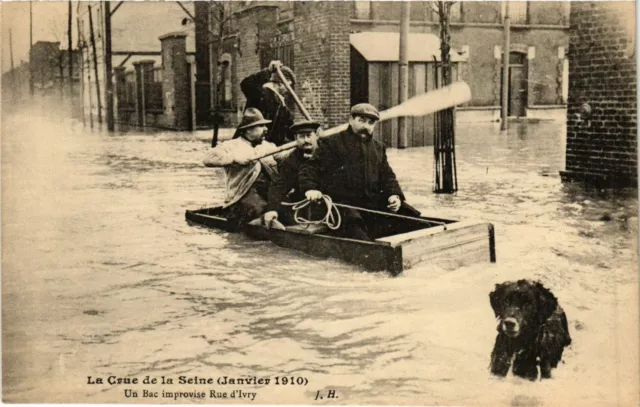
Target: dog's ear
[(547, 302), (496, 298)]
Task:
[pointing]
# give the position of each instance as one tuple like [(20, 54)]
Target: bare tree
[(445, 174), (443, 11)]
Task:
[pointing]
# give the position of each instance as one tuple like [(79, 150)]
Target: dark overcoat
[(351, 170), (272, 106), (286, 181)]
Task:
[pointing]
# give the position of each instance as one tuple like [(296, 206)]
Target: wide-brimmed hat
[(366, 110), (251, 117), (286, 72), (304, 125)]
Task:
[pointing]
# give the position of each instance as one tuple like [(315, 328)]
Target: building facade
[(152, 54), (337, 50), (602, 111)]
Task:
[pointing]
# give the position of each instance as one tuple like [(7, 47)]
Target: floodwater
[(102, 276)]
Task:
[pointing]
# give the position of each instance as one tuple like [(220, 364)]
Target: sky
[(49, 24), (137, 27)]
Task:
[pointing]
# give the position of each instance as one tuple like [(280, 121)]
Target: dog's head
[(521, 306)]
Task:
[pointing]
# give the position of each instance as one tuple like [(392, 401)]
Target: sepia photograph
[(429, 203)]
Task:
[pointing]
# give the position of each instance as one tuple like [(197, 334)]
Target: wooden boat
[(408, 241)]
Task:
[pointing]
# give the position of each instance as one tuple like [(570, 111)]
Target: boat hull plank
[(447, 243), (461, 244)]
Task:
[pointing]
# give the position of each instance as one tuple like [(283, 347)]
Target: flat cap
[(304, 125), (366, 110)]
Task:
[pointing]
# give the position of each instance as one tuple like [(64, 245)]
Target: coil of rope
[(332, 219)]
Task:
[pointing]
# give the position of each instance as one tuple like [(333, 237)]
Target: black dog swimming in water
[(532, 326)]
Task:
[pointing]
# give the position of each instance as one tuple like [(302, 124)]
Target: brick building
[(602, 110), (340, 54), (49, 67)]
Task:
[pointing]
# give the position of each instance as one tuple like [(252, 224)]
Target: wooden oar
[(295, 97), (421, 105)]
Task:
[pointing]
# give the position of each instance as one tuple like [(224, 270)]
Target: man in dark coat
[(285, 187), (352, 168), (265, 91)]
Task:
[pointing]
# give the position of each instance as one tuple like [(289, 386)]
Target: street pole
[(81, 52), (213, 76), (90, 94), (108, 79), (31, 66), (70, 44), (95, 64), (505, 67), (403, 90), (11, 49), (13, 73)]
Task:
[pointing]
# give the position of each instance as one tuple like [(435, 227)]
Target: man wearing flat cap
[(265, 91), (247, 179), (285, 187), (352, 168)]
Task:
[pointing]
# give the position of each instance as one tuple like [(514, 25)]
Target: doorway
[(517, 92)]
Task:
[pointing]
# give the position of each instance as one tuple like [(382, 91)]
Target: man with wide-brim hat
[(247, 179), (285, 187), (251, 117), (352, 168), (266, 92)]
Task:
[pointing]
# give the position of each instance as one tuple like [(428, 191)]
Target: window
[(518, 11), (225, 86), (362, 10), (285, 10), (456, 12), (517, 58)]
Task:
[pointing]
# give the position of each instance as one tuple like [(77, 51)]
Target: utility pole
[(213, 75), (13, 73), (11, 49), (81, 52), (108, 81), (505, 67), (31, 66), (403, 90), (95, 64), (70, 44), (89, 88)]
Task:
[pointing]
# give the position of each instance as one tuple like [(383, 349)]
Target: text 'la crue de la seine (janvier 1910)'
[(224, 393)]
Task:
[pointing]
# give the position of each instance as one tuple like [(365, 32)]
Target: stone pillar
[(144, 75), (192, 70), (175, 80)]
